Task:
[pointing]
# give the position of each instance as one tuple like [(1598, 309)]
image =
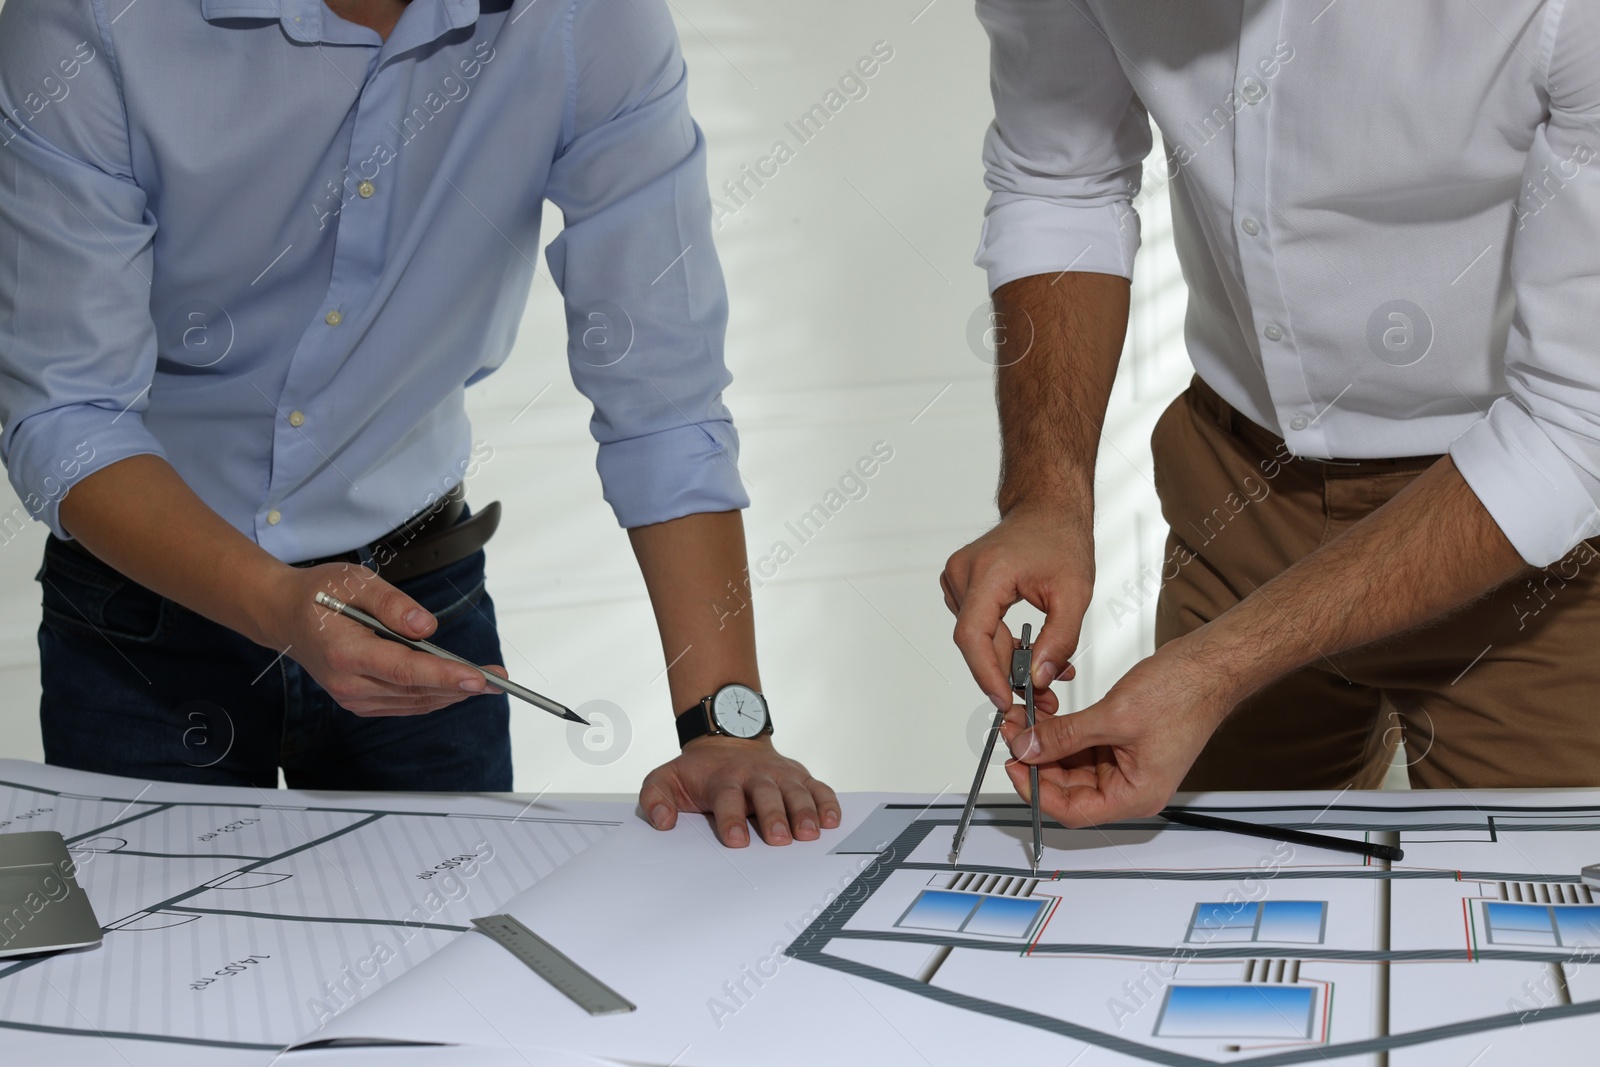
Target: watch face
[(739, 710)]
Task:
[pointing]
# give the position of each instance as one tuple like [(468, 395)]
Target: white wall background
[(852, 288)]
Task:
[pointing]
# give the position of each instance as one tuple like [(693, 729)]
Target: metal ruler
[(548, 962)]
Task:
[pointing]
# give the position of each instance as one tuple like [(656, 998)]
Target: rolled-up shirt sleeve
[(77, 344), (1063, 157), (646, 303), (1534, 460)]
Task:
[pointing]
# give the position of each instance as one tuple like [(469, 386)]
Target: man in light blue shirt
[(252, 252)]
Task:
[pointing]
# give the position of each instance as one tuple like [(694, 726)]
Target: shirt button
[(1299, 422), (1252, 91), (296, 418), (274, 517), (1250, 225), (366, 189), (334, 317), (1273, 332)]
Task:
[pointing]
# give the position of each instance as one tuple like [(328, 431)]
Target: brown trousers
[(1501, 692)]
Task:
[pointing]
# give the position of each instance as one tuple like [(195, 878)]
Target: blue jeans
[(137, 685)]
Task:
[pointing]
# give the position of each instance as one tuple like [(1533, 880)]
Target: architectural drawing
[(246, 923), (241, 923), (1188, 947)]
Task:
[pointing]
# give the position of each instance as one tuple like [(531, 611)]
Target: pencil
[(560, 711), (1392, 853)]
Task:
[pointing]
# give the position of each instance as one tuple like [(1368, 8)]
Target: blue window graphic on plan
[(970, 913), (1224, 922), (1579, 926), (1283, 1011), (1569, 926), (1300, 922), (1004, 917), (937, 910)]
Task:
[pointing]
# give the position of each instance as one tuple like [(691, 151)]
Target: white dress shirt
[(1388, 216)]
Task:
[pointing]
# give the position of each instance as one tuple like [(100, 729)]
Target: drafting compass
[(1021, 682)]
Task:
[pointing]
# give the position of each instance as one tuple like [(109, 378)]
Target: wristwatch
[(733, 711)]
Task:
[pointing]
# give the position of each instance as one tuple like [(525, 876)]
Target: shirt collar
[(303, 19)]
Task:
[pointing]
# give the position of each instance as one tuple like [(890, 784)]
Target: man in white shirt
[(1388, 217)]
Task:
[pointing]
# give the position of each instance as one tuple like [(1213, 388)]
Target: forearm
[(1063, 339), (140, 517), (1429, 550), (695, 571)]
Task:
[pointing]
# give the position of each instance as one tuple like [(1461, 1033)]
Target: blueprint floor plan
[(239, 921), (1185, 947), (1137, 943)]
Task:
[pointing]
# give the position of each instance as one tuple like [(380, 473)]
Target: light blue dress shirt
[(266, 244)]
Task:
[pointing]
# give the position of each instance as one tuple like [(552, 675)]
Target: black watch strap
[(694, 723)]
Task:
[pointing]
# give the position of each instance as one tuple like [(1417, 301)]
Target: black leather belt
[(433, 539)]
